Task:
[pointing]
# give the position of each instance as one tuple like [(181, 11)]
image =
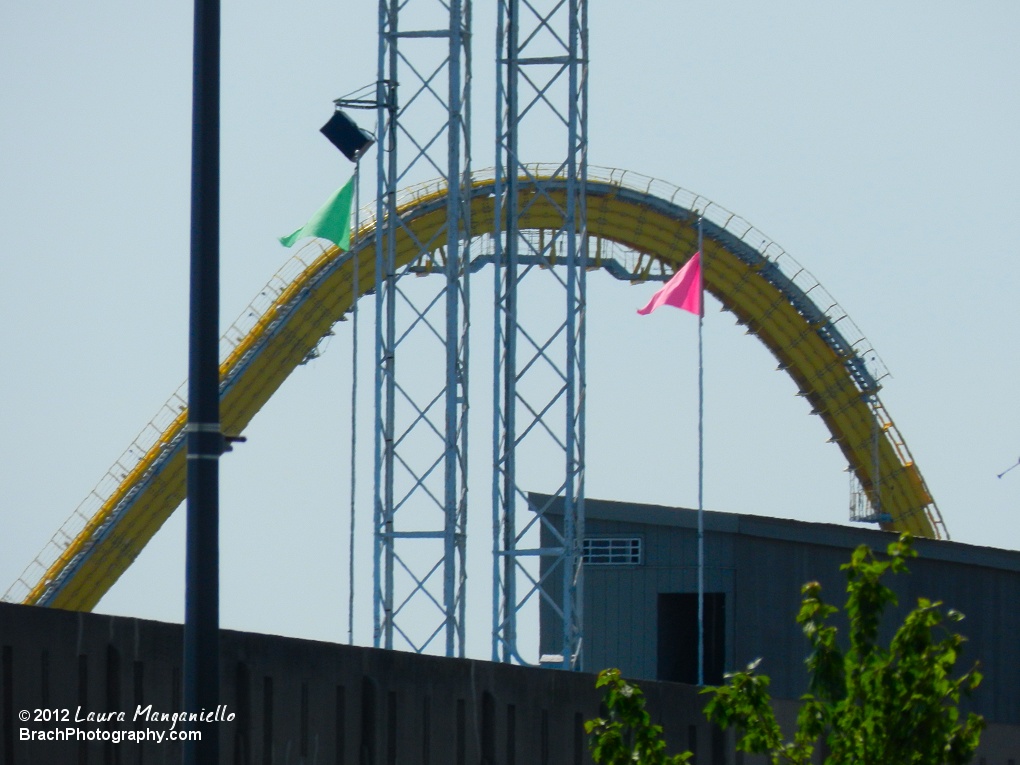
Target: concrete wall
[(298, 701)]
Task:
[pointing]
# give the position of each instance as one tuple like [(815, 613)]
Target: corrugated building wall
[(756, 566)]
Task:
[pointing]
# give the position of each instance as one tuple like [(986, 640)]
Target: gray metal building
[(640, 596)]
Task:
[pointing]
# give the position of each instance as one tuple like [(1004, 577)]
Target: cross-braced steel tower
[(421, 409), (421, 419), (539, 378)]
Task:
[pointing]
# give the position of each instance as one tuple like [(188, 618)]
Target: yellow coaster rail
[(640, 228)]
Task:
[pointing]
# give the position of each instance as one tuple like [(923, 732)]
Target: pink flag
[(682, 291)]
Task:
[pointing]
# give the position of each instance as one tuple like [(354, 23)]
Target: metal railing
[(161, 435)]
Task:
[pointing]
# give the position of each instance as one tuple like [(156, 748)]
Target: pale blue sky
[(876, 142)]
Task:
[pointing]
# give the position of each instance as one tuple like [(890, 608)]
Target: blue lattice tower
[(539, 363), (420, 427)]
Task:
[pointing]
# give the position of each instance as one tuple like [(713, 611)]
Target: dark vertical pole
[(204, 439)]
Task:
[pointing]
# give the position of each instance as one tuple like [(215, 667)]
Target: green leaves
[(870, 703), (627, 736), (744, 702)]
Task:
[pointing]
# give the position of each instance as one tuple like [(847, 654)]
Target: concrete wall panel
[(297, 701)]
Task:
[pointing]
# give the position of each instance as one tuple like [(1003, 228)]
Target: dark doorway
[(678, 637)]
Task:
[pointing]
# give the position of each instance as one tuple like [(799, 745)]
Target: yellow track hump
[(270, 352)]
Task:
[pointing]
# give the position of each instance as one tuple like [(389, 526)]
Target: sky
[(875, 142)]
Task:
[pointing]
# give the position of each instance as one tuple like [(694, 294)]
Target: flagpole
[(701, 466), (686, 290), (355, 290)]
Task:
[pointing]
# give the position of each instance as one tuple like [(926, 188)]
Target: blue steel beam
[(421, 424), (538, 370)]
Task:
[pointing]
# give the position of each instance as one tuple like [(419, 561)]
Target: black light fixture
[(351, 140)]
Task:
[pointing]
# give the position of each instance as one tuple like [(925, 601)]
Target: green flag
[(332, 221)]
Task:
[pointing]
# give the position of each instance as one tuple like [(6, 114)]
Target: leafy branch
[(870, 704), (627, 735)]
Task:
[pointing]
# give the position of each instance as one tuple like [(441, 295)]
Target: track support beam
[(539, 339), (421, 420)]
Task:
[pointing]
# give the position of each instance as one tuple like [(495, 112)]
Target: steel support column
[(421, 414), (538, 366)]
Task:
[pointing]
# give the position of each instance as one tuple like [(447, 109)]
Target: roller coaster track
[(640, 229)]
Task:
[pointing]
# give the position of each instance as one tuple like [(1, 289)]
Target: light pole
[(205, 441)]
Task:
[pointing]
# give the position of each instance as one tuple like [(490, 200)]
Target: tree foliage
[(870, 703), (627, 736)]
